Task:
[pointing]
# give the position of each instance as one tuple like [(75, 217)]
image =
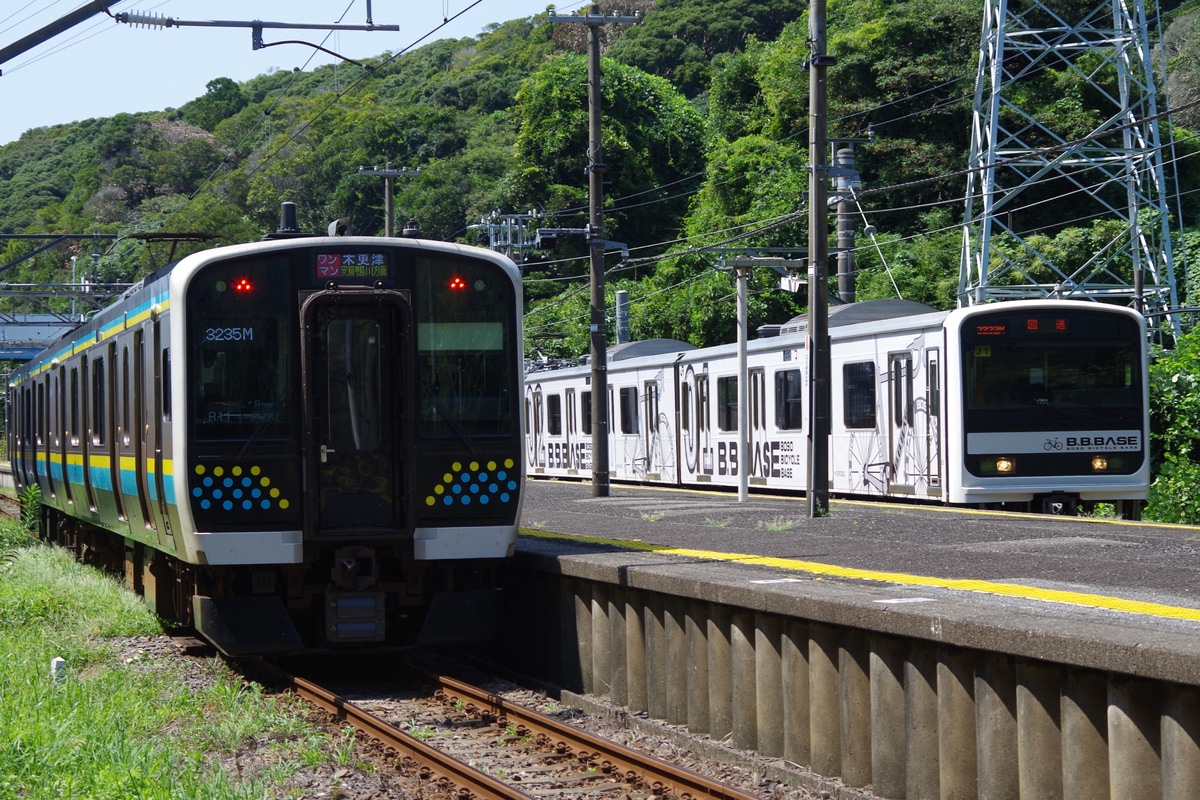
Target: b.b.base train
[(291, 445), (1035, 405)]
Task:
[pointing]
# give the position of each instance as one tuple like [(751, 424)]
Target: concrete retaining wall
[(951, 698)]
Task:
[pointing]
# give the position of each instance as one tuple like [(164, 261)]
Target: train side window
[(935, 389), (727, 403), (73, 419), (685, 407), (166, 385), (902, 391), (788, 405), (585, 412), (554, 414), (858, 392), (99, 411), (125, 403), (41, 411), (629, 406)]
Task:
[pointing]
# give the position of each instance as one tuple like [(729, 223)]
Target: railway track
[(470, 743)]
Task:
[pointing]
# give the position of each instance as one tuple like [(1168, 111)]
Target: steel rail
[(664, 778), (464, 778)]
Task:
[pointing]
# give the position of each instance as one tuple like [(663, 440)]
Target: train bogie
[(295, 443)]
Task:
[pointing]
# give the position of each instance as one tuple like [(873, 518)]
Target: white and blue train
[(1036, 405)]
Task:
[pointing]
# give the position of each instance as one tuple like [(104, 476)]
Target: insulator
[(147, 20)]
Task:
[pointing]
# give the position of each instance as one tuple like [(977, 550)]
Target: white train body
[(1039, 402)]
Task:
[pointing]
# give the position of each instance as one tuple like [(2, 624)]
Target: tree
[(222, 100), (680, 38), (652, 139)]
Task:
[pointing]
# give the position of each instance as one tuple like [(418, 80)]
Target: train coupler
[(1061, 504)]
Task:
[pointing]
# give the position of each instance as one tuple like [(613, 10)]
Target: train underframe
[(347, 596)]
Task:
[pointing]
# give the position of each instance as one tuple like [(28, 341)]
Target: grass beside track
[(113, 727)]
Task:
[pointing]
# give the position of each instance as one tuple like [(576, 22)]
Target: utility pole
[(389, 191), (818, 267), (596, 245)]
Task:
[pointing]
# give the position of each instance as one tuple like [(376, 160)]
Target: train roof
[(647, 347), (866, 311)]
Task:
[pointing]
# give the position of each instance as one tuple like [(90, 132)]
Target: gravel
[(372, 774)]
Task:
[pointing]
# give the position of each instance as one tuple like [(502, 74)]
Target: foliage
[(31, 508), (679, 39), (1181, 42), (706, 113), (223, 99), (651, 139), (1175, 433)]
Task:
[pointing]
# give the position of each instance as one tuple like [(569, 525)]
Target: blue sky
[(100, 67)]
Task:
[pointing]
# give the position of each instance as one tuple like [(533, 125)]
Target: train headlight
[(1005, 465), (1099, 463)]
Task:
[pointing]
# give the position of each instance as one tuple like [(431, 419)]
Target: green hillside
[(705, 140)]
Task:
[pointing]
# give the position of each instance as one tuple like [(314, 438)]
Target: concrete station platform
[(923, 652)]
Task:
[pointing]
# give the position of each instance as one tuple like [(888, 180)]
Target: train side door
[(356, 380)]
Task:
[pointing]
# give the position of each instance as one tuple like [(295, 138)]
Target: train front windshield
[(240, 346), (1060, 384), (465, 349)]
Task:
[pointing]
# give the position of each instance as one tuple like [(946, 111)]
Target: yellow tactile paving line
[(831, 571)]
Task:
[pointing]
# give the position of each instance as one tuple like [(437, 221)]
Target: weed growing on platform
[(717, 523), (114, 725), (652, 516), (776, 525)]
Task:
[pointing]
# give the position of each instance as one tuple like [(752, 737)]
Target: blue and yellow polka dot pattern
[(475, 482), (235, 488)]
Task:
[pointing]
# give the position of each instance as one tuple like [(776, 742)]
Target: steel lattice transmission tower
[(1035, 176)]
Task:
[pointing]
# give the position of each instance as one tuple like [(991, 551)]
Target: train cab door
[(357, 417)]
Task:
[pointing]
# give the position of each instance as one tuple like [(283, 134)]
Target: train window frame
[(727, 403), (126, 393), (554, 414), (585, 412), (685, 407), (903, 386), (789, 400), (99, 402), (165, 358), (40, 400), (73, 408), (629, 407), (859, 395)]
